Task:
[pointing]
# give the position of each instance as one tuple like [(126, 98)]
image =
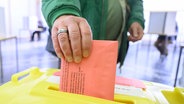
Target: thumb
[(134, 32)]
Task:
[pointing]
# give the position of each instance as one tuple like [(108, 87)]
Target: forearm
[(136, 12), (52, 9)]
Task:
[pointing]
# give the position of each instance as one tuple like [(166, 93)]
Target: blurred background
[(145, 60)]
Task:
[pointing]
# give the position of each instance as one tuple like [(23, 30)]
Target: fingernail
[(77, 59), (85, 53), (69, 59), (59, 55), (136, 35)]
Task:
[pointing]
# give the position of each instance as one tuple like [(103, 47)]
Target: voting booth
[(163, 23)]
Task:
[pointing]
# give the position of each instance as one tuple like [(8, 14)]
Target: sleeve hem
[(62, 11)]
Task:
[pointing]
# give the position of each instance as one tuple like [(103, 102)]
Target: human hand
[(74, 44), (136, 32)]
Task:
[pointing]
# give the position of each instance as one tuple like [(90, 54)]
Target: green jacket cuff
[(62, 11), (141, 22)]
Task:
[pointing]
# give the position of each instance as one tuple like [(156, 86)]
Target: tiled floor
[(142, 62), (29, 54)]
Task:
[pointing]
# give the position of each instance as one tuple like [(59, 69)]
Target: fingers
[(75, 44), (56, 43), (75, 41), (133, 35), (86, 38), (140, 33), (136, 32), (64, 43)]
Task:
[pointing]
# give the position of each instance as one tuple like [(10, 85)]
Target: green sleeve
[(136, 12), (52, 9)]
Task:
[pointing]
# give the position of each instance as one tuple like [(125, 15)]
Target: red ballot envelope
[(130, 82), (95, 75)]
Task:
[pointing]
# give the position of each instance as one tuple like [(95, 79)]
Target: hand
[(136, 32), (76, 43)]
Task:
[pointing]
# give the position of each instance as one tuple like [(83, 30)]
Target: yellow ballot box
[(40, 86)]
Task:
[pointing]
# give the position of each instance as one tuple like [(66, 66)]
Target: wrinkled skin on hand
[(74, 45), (136, 32)]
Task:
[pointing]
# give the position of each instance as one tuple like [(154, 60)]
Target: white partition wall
[(162, 23), (15, 12), (2, 21)]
